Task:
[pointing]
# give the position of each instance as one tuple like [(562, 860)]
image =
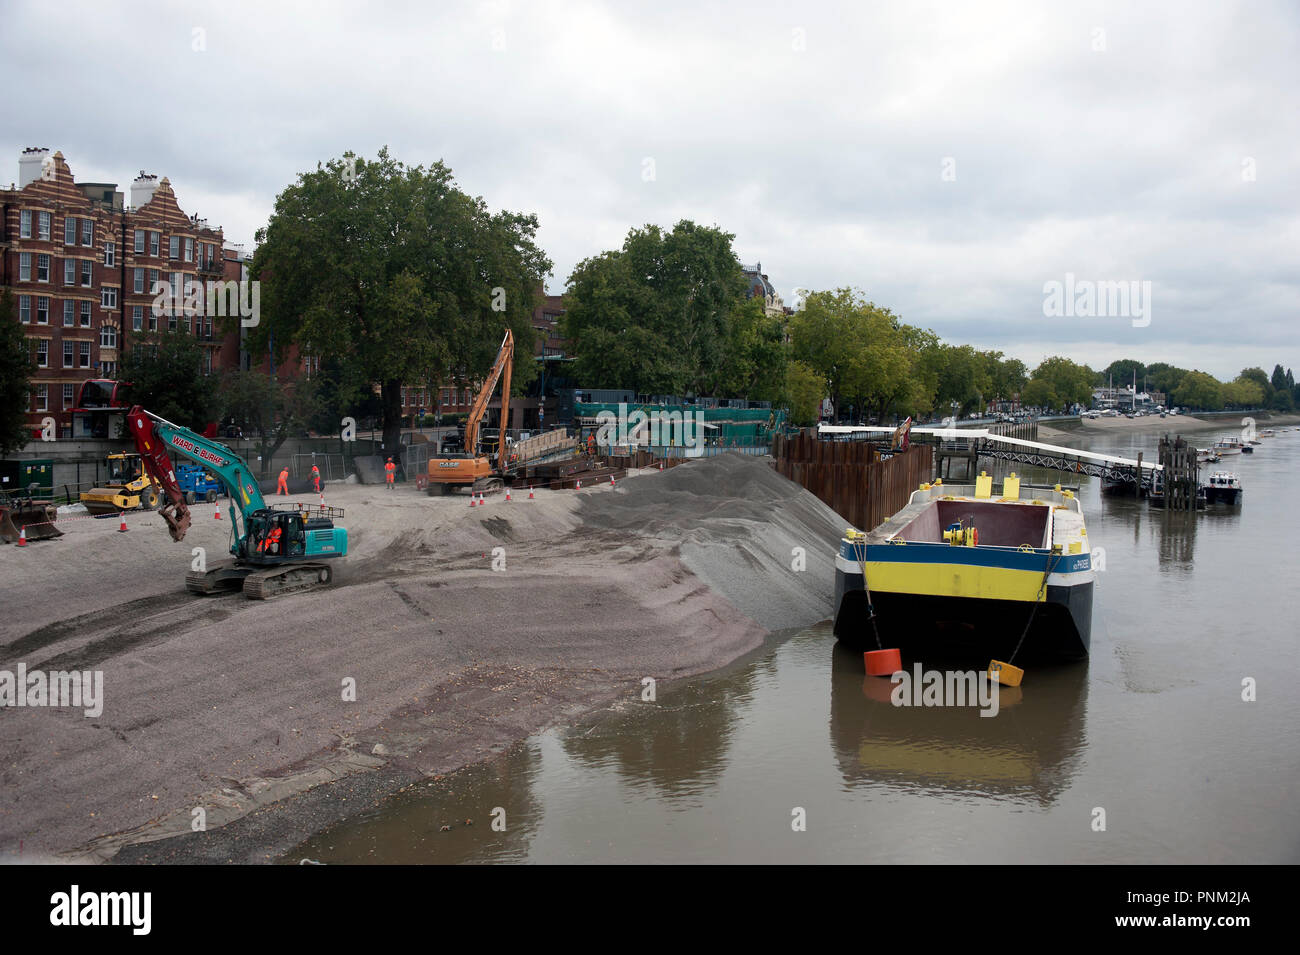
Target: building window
[(153, 243), (207, 361), (139, 281), (110, 252), (153, 281), (68, 398), (171, 320), (153, 320), (25, 224), (87, 232), (86, 272), (44, 227), (42, 267), (85, 314), (68, 352), (107, 336), (69, 313), (108, 297), (42, 311), (174, 247), (189, 250), (84, 352), (42, 353), (139, 240), (69, 271), (42, 397), (69, 230), (137, 318), (25, 309), (24, 266), (109, 368)]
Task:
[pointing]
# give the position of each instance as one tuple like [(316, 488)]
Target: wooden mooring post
[(1182, 474)]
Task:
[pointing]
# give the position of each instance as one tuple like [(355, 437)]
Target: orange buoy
[(121, 528), (883, 662), (1005, 673)]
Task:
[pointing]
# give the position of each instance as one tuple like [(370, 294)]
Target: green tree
[(1259, 377), (395, 272), (805, 389), (1058, 383), (269, 409), (755, 356), (1278, 381), (1200, 391), (16, 366), (167, 372), (1121, 372), (1163, 377), (656, 315)]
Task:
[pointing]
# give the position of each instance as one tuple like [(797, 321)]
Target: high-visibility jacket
[(271, 542), (391, 469)]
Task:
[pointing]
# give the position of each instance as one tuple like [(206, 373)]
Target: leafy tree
[(1242, 393), (656, 315), (755, 354), (1199, 390), (1058, 383), (1279, 379), (16, 366), (167, 372), (273, 410), (1259, 377), (1164, 377), (1121, 372), (341, 392), (805, 389), (395, 273)]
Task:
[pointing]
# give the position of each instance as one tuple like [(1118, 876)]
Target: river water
[(1150, 736)]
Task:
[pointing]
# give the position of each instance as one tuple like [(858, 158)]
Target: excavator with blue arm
[(276, 550)]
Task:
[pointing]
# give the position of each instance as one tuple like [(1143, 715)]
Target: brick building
[(81, 265)]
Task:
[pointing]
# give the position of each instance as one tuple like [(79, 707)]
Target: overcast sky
[(947, 159)]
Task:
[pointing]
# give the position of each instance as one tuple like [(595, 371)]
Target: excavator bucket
[(178, 519), (36, 517)]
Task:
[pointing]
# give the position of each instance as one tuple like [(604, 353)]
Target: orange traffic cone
[(22, 537), (530, 492), (473, 499), (579, 487), (507, 495), (121, 529), (611, 480), (661, 465), (217, 514)]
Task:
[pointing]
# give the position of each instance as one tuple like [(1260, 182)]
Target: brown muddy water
[(1152, 729)]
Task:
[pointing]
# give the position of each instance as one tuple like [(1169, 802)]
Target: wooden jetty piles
[(1182, 474)]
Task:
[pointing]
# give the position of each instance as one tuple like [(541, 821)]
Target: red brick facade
[(81, 265)]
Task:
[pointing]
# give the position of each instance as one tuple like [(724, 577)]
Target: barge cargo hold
[(962, 569)]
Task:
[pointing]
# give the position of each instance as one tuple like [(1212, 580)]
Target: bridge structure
[(974, 443)]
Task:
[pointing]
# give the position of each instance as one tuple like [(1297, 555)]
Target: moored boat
[(961, 562), (1224, 487), (1229, 444)]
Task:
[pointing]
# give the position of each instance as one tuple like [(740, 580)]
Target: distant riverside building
[(81, 265), (761, 287)]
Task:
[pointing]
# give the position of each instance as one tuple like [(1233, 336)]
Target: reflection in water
[(681, 750), (1177, 533), (1028, 751), (408, 828)]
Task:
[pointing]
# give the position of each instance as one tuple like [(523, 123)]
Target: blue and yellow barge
[(972, 568)]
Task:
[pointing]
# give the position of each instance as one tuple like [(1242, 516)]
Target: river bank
[(237, 708)]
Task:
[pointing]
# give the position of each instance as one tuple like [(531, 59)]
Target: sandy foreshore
[(236, 707), (1154, 424)]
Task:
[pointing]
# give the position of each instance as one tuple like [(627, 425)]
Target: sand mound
[(755, 537)]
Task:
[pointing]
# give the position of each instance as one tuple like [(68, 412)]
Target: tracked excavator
[(473, 468), (276, 550)]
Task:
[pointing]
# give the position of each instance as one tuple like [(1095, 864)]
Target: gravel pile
[(740, 527)]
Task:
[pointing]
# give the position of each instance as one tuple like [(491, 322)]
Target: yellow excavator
[(128, 488), (472, 468)]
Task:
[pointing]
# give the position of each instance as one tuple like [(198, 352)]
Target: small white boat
[(1224, 488), (1228, 444)]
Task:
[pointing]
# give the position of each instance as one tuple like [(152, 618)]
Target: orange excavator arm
[(501, 369)]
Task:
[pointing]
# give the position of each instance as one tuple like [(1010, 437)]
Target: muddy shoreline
[(228, 711)]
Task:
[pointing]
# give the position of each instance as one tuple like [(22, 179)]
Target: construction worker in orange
[(315, 476), (591, 445), (283, 486), (271, 542), (390, 473)]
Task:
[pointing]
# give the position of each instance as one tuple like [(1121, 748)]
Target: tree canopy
[(16, 366), (395, 273)]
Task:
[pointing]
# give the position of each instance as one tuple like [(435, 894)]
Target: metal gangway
[(986, 444)]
